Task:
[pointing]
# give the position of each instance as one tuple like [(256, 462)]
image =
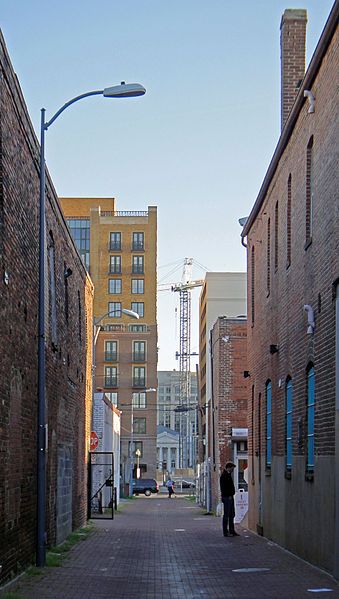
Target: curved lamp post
[(124, 90)]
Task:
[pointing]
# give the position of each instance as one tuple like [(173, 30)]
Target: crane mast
[(184, 288)]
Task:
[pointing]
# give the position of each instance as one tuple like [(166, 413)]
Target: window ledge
[(308, 243)]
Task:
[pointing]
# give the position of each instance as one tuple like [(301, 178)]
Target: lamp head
[(130, 313), (124, 90)]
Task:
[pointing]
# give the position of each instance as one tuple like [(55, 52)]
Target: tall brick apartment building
[(67, 341), (228, 414), (120, 251), (293, 268)]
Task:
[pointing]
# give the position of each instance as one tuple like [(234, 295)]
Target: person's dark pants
[(229, 513)]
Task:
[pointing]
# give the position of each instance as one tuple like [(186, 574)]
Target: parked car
[(145, 485), (186, 484)]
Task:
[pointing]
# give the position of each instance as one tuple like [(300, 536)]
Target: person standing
[(170, 488), (227, 496)]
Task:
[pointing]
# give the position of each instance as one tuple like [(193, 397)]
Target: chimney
[(293, 57)]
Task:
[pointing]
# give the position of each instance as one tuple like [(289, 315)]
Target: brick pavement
[(160, 548)]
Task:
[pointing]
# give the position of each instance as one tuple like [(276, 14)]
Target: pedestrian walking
[(170, 488), (227, 495)]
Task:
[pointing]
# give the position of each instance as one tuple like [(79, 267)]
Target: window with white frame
[(114, 286), (137, 286)]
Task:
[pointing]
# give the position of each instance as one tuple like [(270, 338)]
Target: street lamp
[(151, 389), (117, 91), (138, 454)]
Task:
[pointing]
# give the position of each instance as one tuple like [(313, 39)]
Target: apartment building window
[(138, 242), (288, 422), (289, 222), (167, 419), (139, 376), (276, 236), (114, 286), (268, 424), (115, 241), (138, 307), (135, 446), (252, 284), (139, 351), (138, 285), (177, 422), (139, 426), (114, 309), (115, 265), (139, 400), (310, 418), (137, 328), (309, 191), (111, 351), (80, 231), (268, 257), (112, 396), (111, 376), (138, 265)]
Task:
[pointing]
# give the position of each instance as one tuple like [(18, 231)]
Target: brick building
[(119, 249), (293, 269), (222, 293), (68, 346), (228, 414)]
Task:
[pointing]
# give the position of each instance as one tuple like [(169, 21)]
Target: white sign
[(240, 432), (241, 505)]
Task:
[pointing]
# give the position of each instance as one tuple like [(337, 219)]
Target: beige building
[(223, 294), (120, 251)]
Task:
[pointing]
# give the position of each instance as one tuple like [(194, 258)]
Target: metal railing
[(138, 246), (114, 246), (111, 381), (111, 356), (124, 213), (139, 382)]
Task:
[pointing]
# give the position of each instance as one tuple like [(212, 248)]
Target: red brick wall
[(68, 397), (293, 54), (230, 391), (280, 320)]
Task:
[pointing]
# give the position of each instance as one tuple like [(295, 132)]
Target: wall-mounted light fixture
[(274, 348), (68, 272), (247, 374)]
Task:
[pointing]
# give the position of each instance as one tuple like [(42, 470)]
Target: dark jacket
[(226, 485)]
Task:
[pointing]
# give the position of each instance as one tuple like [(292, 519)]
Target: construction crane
[(184, 289)]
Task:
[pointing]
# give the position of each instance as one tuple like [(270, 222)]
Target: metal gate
[(101, 489)]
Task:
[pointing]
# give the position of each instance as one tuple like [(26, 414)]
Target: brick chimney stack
[(293, 57)]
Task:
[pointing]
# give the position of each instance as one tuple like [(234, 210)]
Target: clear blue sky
[(199, 142)]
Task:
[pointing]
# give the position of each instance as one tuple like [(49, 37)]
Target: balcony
[(111, 356), (114, 246), (137, 270), (139, 357), (139, 382), (111, 382), (138, 246), (115, 270)]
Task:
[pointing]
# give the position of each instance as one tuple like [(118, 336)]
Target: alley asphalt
[(161, 548)]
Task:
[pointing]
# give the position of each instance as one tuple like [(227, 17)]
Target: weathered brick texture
[(230, 391), (68, 343), (286, 505)]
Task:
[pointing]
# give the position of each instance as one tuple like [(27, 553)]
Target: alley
[(156, 548)]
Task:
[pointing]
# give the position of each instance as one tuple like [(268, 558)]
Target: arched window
[(268, 258), (309, 190), (276, 235), (310, 417), (288, 222), (268, 424), (288, 422), (252, 283)]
